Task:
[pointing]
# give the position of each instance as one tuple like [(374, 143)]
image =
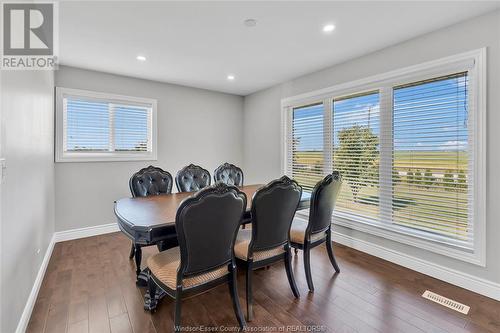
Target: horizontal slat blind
[(87, 125), (356, 154), (104, 126), (405, 150), (306, 154), (432, 145), (130, 128)]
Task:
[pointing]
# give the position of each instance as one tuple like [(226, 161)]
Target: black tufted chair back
[(150, 181), (273, 209), (207, 223), (192, 178), (323, 200), (229, 174)]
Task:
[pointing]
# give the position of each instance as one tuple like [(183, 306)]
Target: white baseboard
[(464, 280), (30, 303), (61, 236)]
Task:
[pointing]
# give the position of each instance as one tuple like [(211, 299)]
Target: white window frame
[(474, 62), (65, 156)]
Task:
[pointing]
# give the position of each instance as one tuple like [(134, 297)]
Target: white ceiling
[(199, 43)]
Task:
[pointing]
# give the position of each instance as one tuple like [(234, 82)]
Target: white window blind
[(307, 156), (409, 146), (96, 126), (356, 155), (432, 144), (131, 128), (87, 125)]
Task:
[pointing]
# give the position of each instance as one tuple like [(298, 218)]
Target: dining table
[(151, 220)]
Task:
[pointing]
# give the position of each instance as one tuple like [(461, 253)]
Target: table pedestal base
[(142, 278), (150, 303)]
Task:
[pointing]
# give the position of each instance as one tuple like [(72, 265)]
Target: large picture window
[(410, 148), (93, 126)]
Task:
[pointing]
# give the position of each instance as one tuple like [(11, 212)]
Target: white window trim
[(64, 156), (475, 59)]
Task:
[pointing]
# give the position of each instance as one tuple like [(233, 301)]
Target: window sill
[(104, 157), (402, 235)]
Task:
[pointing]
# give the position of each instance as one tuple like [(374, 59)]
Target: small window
[(94, 126)]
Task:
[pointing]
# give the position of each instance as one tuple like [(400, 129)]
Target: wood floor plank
[(115, 302), (98, 314), (39, 316), (89, 286), (78, 311), (120, 324), (79, 327), (140, 320), (57, 318)]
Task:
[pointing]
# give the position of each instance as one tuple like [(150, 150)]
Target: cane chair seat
[(298, 232), (164, 266), (241, 247)]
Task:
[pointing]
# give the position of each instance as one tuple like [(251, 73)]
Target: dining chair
[(144, 183), (273, 209), (207, 223), (229, 174), (192, 178), (307, 235)]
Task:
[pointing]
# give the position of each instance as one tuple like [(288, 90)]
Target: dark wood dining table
[(151, 220)]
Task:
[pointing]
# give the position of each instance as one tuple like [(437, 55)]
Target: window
[(92, 126), (410, 147), (356, 155), (431, 147), (307, 145)]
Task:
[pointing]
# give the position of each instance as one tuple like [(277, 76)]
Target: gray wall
[(262, 120), (194, 126), (27, 205)]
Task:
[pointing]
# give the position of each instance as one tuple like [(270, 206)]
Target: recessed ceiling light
[(230, 77), (141, 58), (250, 23), (328, 28)]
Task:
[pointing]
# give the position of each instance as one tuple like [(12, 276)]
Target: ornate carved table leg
[(142, 276)]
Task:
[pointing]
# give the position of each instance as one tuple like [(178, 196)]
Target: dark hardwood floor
[(90, 287)]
